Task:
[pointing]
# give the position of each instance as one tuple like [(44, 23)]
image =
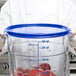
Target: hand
[(73, 34), (73, 43)]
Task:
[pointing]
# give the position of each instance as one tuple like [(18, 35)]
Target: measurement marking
[(40, 56), (33, 42)]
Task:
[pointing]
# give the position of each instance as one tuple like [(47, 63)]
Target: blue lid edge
[(8, 30)]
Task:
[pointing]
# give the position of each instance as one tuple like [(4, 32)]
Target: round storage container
[(38, 49)]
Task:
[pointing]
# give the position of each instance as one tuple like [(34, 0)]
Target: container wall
[(38, 57)]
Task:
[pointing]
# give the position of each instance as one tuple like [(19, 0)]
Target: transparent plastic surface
[(38, 57)]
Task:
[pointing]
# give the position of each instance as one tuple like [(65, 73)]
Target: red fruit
[(45, 66), (25, 74), (48, 73), (45, 73), (36, 67), (19, 74), (35, 72), (26, 70)]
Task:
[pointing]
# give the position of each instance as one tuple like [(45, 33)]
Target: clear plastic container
[(38, 49)]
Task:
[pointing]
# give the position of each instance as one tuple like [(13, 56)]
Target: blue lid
[(37, 30)]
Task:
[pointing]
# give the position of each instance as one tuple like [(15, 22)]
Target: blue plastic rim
[(37, 30)]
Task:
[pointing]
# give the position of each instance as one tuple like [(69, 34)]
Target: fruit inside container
[(44, 69)]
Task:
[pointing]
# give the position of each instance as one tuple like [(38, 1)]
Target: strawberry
[(25, 74), (35, 72), (26, 70), (45, 66)]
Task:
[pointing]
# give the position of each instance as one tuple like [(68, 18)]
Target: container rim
[(64, 30)]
